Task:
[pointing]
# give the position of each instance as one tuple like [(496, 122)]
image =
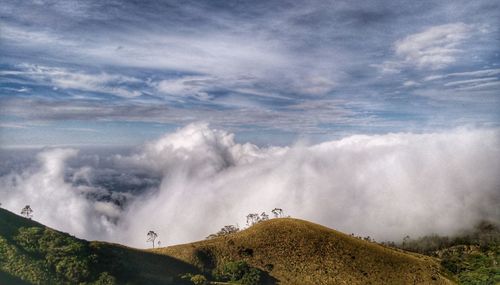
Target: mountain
[(277, 251), (294, 251)]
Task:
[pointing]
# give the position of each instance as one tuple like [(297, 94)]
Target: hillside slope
[(285, 251), (31, 253), (293, 251)]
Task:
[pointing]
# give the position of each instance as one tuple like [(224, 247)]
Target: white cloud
[(55, 202), (435, 47), (72, 79), (492, 85), (13, 125), (410, 83), (484, 83), (471, 82), (21, 36), (475, 73), (385, 186), (221, 55), (196, 86), (315, 85)]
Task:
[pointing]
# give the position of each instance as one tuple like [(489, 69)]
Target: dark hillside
[(31, 253)]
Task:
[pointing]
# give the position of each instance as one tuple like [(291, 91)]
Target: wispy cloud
[(475, 73), (265, 60), (64, 78), (435, 47), (13, 126), (80, 130), (471, 82), (476, 86)]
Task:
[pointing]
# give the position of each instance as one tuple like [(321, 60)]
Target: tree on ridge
[(152, 237)]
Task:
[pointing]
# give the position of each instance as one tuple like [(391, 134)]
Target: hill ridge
[(296, 251), (284, 251)]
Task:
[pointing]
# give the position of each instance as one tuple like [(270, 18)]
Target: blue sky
[(121, 72)]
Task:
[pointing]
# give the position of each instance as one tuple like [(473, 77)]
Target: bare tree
[(27, 212), (252, 219), (277, 212), (264, 216), (406, 241), (152, 237), (229, 229)]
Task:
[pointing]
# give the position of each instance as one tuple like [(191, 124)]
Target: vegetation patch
[(473, 257), (31, 253)]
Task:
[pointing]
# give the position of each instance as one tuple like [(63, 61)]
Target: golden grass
[(294, 251)]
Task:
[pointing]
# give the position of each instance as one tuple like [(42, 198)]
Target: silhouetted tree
[(27, 212), (229, 229), (152, 237), (264, 217), (406, 240), (277, 212), (252, 219)]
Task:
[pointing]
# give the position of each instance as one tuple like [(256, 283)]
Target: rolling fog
[(188, 184)]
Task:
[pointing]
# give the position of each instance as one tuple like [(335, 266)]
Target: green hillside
[(291, 251), (31, 253), (473, 256)]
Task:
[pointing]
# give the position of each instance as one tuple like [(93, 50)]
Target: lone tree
[(152, 237), (27, 212), (277, 212)]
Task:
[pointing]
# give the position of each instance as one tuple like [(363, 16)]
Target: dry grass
[(299, 252)]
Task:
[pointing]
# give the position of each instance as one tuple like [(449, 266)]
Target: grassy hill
[(31, 253), (291, 251), (278, 251)]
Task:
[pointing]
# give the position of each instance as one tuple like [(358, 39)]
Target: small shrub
[(252, 277), (199, 279), (105, 279), (238, 272), (235, 270)]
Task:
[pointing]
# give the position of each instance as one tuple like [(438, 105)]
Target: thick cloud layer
[(385, 186)]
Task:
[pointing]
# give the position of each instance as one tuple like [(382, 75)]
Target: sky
[(272, 72), (377, 118)]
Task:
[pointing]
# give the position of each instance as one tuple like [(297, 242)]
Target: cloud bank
[(385, 186)]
